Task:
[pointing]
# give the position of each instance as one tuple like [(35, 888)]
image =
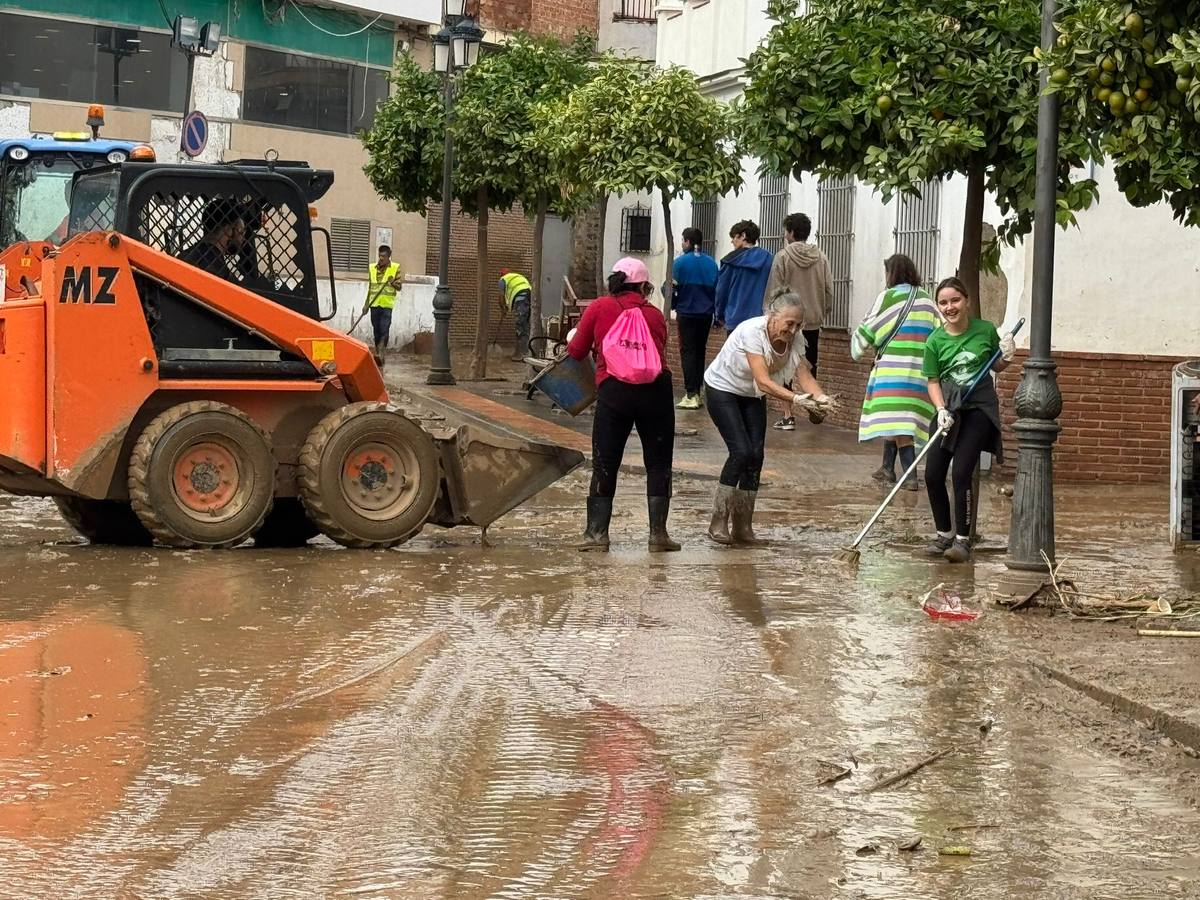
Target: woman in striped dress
[(896, 407)]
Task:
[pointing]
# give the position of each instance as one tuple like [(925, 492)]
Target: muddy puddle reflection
[(448, 720)]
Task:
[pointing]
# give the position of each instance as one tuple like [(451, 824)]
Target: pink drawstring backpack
[(630, 354)]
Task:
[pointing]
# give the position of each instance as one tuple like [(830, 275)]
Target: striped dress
[(897, 398)]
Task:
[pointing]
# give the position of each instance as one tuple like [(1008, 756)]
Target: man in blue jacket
[(742, 281), (694, 299)]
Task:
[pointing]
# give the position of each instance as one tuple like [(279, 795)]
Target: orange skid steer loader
[(165, 376)]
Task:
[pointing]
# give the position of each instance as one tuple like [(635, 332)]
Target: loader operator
[(225, 233)]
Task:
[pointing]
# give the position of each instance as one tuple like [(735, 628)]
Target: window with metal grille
[(635, 229), (772, 209), (835, 236), (635, 10), (183, 224), (917, 230), (704, 217), (351, 242)]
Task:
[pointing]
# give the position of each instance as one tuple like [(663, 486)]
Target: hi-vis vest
[(514, 283), (383, 294)]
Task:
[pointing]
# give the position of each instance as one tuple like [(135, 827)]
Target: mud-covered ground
[(521, 720)]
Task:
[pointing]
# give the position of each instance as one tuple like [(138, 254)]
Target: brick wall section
[(842, 377), (586, 239), (563, 18), (510, 246), (506, 15), (716, 338), (1116, 418)]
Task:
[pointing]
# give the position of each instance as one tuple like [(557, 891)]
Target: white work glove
[(802, 402), (823, 400), (1008, 347), (945, 418)]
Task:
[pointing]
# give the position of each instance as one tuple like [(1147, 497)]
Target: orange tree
[(1131, 73), (898, 92)]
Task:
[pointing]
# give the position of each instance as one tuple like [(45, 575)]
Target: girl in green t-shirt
[(954, 355)]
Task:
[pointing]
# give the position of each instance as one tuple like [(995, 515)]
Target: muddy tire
[(104, 521), (286, 525), (368, 476), (202, 474)]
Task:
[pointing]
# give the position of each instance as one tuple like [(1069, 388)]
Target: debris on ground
[(910, 845), (954, 850), (947, 605), (909, 771)]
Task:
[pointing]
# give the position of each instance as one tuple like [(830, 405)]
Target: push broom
[(852, 553)]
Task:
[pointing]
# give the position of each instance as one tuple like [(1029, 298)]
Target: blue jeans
[(381, 325)]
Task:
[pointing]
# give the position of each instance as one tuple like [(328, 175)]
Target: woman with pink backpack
[(627, 337)]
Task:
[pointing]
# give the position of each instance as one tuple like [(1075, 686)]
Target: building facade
[(296, 78), (1126, 280)]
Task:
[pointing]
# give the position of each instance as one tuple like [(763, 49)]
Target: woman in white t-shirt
[(759, 357)]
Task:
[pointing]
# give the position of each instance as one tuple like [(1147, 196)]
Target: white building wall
[(1127, 280)]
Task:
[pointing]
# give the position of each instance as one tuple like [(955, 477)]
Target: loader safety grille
[(244, 238)]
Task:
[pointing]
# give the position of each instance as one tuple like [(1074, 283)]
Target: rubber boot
[(379, 355), (599, 514), (743, 516), (660, 541), (718, 528), (908, 455)]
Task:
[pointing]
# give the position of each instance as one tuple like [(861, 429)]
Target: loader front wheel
[(202, 474), (368, 476), (104, 521)]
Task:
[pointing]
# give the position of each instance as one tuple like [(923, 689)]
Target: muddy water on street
[(448, 720)]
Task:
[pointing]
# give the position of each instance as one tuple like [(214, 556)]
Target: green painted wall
[(373, 46)]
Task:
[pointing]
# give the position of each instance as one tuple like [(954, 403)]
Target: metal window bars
[(635, 229), (704, 217), (635, 10), (772, 208), (835, 236), (917, 229)]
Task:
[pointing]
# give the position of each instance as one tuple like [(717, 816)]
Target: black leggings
[(693, 342), (619, 407), (742, 422), (976, 433)]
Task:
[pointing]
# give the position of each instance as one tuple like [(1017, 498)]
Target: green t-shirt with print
[(958, 358)]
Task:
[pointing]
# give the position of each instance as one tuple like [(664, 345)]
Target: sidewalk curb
[(1177, 729)]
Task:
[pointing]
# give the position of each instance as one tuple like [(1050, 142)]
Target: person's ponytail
[(616, 283)]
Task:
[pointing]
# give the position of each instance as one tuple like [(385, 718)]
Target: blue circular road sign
[(195, 134)]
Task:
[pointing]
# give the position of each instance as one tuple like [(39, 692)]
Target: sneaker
[(939, 545), (884, 475), (958, 552), (787, 423), (689, 401)]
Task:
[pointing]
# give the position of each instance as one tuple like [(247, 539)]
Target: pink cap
[(634, 270)]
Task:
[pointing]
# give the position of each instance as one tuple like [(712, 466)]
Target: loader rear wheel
[(286, 525), (104, 521), (368, 476), (202, 474)]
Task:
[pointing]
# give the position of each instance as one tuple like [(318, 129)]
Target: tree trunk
[(972, 238), (535, 302), (485, 287), (668, 284), (601, 275)]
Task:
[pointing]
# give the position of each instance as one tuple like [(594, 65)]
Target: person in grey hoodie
[(801, 268)]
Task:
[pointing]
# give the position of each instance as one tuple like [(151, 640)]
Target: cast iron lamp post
[(1038, 400), (455, 48)]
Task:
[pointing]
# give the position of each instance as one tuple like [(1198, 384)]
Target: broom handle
[(928, 444)]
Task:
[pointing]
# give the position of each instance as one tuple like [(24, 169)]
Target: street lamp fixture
[(455, 49)]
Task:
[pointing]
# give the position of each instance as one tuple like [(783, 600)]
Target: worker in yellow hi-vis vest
[(517, 293), (385, 280)]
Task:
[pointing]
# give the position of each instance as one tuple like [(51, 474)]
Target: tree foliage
[(635, 127), (1128, 72), (405, 142), (897, 92)]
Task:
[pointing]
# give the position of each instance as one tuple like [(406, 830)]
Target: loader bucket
[(486, 475)]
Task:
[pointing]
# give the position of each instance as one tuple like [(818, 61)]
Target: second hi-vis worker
[(385, 280), (517, 293)]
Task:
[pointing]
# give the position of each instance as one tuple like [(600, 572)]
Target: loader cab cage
[(246, 223)]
